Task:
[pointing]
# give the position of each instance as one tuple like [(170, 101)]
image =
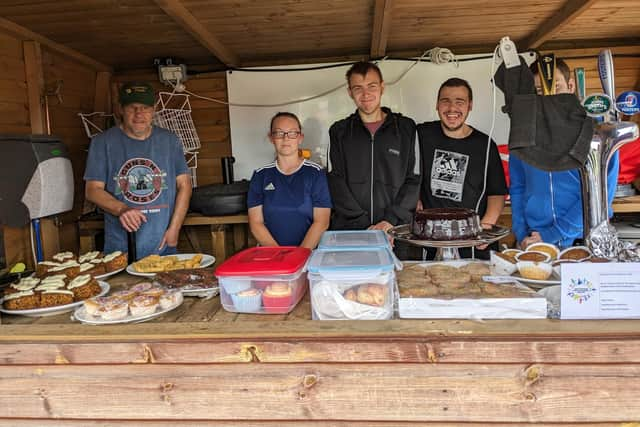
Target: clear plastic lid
[(350, 260), (354, 239), (265, 260)]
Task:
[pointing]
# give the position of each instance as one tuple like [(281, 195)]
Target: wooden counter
[(200, 365)]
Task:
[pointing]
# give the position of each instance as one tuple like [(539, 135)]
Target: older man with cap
[(137, 174)]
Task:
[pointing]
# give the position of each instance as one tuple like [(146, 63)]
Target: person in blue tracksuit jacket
[(547, 206)]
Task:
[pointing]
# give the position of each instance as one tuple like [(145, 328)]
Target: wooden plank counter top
[(201, 365)]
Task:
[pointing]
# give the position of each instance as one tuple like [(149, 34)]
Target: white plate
[(81, 315), (537, 284), (105, 275), (207, 260), (200, 292), (52, 311)]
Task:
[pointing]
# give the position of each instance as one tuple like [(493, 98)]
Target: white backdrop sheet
[(414, 96)]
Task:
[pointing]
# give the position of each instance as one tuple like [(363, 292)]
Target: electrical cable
[(436, 55)]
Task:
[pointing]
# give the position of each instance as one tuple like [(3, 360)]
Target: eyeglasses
[(292, 134)]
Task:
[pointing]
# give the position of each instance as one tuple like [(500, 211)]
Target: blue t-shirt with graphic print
[(142, 174), (288, 200)]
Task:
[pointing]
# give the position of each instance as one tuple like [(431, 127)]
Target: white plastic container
[(351, 284)]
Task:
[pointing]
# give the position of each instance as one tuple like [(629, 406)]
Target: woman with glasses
[(289, 202)]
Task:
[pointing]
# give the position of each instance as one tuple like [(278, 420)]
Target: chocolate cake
[(446, 224)]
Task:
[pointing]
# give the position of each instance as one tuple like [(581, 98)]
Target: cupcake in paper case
[(277, 298), (170, 298), (247, 301), (233, 286)]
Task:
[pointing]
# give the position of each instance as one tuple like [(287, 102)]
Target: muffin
[(54, 297), (70, 268), (114, 309), (171, 298), (115, 261), (43, 267), (511, 252), (534, 270), (534, 256), (233, 286), (22, 300), (63, 257), (547, 248), (99, 267), (89, 256), (277, 298), (125, 295), (143, 305), (141, 287), (502, 264), (58, 281), (88, 268), (248, 301), (576, 253), (93, 305), (83, 287)]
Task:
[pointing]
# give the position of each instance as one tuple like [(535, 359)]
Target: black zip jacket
[(373, 178)]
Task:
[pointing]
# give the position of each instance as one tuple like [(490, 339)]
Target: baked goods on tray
[(444, 281), (93, 263), (188, 279), (53, 290), (446, 224), (157, 263), (141, 300)]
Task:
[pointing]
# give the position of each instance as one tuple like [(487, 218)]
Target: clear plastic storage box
[(351, 239), (351, 284), (267, 280)]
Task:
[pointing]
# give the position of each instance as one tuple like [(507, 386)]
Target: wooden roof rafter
[(176, 10), (26, 34), (569, 12), (381, 25)]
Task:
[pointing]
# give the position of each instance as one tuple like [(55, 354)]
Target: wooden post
[(35, 90)]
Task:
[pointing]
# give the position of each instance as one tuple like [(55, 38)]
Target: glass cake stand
[(448, 249)]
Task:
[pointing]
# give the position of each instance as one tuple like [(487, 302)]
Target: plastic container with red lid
[(263, 279)]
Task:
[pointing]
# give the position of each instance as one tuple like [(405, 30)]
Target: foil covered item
[(603, 241), (628, 252)]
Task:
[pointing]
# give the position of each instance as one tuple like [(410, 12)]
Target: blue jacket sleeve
[(517, 191)]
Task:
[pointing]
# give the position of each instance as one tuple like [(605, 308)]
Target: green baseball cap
[(132, 92)]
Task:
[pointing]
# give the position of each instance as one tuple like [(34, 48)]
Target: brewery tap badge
[(628, 102), (580, 83), (547, 72), (597, 105)]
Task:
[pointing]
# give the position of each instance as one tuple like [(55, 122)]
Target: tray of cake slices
[(457, 289), (200, 282), (95, 263), (50, 295), (540, 265), (139, 303)]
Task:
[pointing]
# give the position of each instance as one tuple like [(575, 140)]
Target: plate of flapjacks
[(153, 264)]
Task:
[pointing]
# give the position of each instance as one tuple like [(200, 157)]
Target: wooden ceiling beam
[(567, 13), (381, 25), (26, 34), (176, 10)]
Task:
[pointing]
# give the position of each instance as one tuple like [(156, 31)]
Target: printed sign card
[(600, 291)]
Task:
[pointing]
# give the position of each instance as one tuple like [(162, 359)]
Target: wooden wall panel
[(77, 93), (14, 119)]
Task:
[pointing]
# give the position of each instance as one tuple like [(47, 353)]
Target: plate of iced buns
[(139, 303)]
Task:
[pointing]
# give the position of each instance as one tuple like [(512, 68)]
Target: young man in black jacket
[(374, 171)]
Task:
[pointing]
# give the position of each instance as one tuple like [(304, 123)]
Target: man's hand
[(534, 237), (131, 219), (382, 225), (170, 238), (485, 226)]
